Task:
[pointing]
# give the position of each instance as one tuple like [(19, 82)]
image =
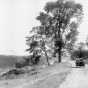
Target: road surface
[(78, 78)]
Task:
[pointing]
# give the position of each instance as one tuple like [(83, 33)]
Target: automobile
[(80, 62)]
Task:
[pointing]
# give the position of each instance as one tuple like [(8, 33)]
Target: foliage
[(22, 64), (80, 52), (37, 46), (33, 59), (57, 30)]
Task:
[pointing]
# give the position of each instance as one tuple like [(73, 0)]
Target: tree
[(57, 26), (37, 46)]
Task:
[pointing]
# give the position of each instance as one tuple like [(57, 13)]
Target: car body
[(80, 63)]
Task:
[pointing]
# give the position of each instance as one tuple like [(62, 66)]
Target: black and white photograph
[(43, 43)]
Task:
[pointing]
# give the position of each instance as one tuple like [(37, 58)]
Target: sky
[(17, 17)]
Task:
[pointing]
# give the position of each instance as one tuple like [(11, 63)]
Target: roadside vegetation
[(57, 32), (55, 37)]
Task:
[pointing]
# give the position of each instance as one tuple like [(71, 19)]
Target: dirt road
[(78, 78)]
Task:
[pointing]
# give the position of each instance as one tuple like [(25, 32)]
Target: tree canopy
[(58, 29)]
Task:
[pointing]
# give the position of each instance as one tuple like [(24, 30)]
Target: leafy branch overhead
[(58, 26)]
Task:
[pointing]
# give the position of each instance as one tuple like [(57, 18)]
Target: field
[(9, 60)]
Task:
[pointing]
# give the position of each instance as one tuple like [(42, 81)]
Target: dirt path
[(78, 78), (51, 80)]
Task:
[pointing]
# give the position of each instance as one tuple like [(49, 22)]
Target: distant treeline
[(9, 60), (80, 54)]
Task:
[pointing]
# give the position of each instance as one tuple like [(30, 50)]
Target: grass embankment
[(48, 77)]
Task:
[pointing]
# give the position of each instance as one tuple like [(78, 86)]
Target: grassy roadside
[(52, 77), (48, 77)]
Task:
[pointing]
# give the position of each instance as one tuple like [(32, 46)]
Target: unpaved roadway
[(78, 78)]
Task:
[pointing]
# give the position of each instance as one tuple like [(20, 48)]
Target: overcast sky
[(17, 17)]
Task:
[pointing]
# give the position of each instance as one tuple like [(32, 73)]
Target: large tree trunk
[(59, 56)]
